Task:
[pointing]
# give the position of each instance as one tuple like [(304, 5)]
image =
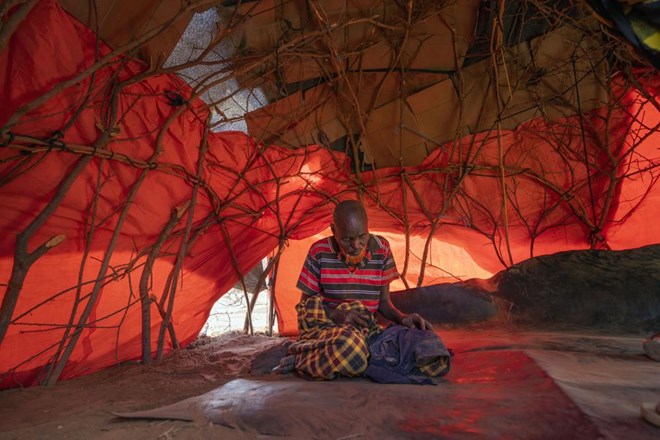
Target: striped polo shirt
[(325, 273)]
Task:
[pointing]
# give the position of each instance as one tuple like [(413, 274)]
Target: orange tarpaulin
[(112, 201)]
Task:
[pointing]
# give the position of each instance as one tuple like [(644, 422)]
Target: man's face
[(352, 234)]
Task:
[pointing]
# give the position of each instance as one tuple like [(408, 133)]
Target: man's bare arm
[(389, 311)]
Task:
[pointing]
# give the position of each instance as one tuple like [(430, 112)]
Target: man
[(344, 281)]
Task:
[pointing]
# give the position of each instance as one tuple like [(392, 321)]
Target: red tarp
[(262, 196)]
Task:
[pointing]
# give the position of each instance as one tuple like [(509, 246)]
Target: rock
[(447, 303), (596, 289)]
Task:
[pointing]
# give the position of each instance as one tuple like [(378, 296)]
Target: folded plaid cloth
[(326, 350)]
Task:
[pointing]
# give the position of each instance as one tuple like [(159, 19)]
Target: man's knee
[(352, 349)]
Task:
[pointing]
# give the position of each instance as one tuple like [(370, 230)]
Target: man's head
[(350, 229)]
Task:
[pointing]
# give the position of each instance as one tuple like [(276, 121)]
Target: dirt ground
[(78, 408)]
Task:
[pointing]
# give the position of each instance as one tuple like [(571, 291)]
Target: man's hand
[(351, 317), (415, 321)]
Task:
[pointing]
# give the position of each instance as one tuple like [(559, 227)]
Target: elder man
[(345, 280)]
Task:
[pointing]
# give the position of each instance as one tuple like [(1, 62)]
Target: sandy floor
[(77, 409), (607, 378)]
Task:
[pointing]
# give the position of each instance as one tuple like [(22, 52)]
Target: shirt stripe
[(325, 273)]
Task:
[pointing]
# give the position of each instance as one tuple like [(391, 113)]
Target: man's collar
[(371, 246)]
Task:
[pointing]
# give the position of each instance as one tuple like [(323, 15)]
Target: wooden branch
[(406, 222), (90, 228), (15, 19), (22, 263), (93, 298), (7, 5), (145, 297), (183, 249), (271, 291), (247, 326), (23, 259)]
